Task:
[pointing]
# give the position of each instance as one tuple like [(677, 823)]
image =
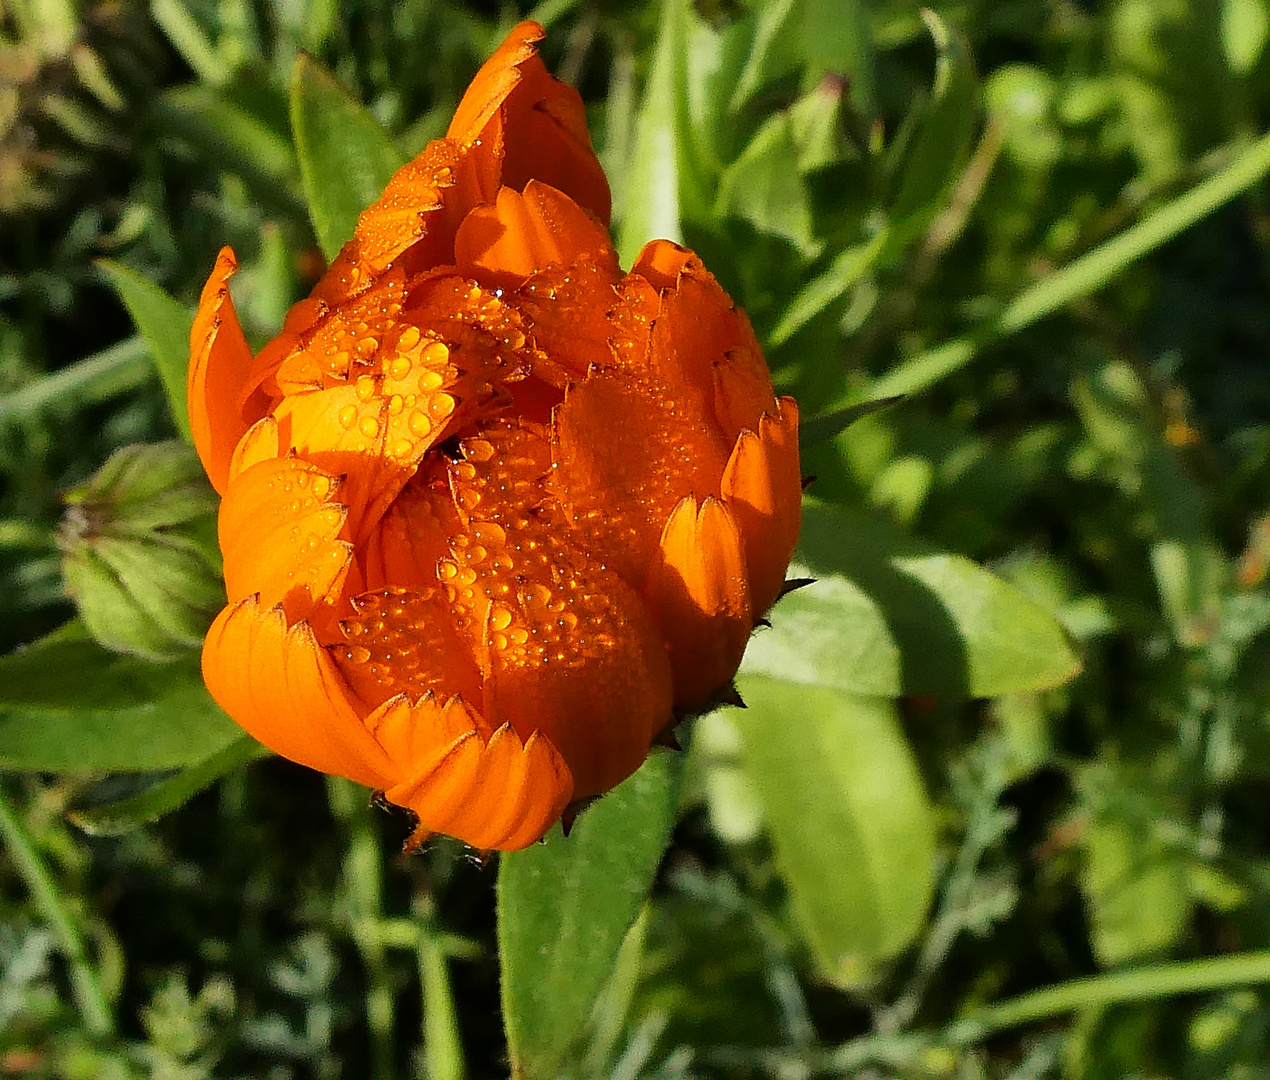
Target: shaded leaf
[(67, 704), (127, 814)]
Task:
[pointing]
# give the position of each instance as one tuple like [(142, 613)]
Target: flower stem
[(85, 985)]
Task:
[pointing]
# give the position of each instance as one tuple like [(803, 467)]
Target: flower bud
[(138, 547)]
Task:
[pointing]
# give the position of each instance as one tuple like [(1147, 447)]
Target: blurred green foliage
[(1044, 222)]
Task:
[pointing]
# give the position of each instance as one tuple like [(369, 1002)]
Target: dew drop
[(365, 388), (441, 406), (369, 427), (347, 416), (419, 424)]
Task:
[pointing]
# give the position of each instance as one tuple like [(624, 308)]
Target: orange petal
[(496, 79), (376, 429), (403, 641), (502, 245), (410, 729), (625, 456), (281, 534), (569, 308), (762, 486), (661, 262), (220, 362), (704, 351), (516, 111), (500, 794), (701, 595), (279, 684)]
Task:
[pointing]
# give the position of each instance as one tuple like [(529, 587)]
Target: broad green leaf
[(564, 908), (836, 41), (69, 705), (346, 157), (164, 323), (125, 815), (849, 819), (888, 616)]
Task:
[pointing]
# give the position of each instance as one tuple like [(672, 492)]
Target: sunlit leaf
[(564, 908), (888, 615)]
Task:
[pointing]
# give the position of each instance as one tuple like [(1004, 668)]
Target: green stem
[(1115, 988), (84, 982), (1084, 276), (364, 895)]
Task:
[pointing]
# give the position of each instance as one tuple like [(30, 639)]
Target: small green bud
[(138, 545)]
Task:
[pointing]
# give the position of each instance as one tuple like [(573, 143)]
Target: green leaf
[(346, 157), (125, 815), (889, 615), (826, 426), (69, 705), (849, 819), (1084, 276), (238, 129), (836, 41), (564, 908), (164, 324)]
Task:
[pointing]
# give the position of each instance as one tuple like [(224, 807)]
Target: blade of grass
[(1086, 275), (112, 371), (85, 985), (1116, 988)]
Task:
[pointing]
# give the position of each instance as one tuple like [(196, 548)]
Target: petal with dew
[(282, 536), (503, 244), (625, 456)]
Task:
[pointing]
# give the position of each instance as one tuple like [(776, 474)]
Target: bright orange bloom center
[(495, 514)]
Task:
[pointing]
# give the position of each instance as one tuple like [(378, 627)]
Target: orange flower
[(494, 513)]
